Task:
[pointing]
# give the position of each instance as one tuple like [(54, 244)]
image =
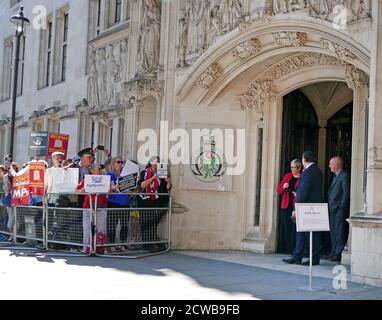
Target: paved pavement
[(179, 275)]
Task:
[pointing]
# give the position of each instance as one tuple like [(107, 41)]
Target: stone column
[(96, 132), (322, 144), (361, 94), (374, 173), (115, 138), (124, 13)]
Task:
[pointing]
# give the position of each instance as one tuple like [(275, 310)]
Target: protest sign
[(58, 143), (65, 180), (20, 189), (38, 144), (36, 178), (162, 170), (97, 184), (129, 176)]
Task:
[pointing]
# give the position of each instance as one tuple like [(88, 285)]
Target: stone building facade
[(127, 65)]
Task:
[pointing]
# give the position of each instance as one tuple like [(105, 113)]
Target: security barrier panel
[(61, 225)]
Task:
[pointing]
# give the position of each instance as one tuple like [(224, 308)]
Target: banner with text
[(20, 189), (58, 143), (36, 178)]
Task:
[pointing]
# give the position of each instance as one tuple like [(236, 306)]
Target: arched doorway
[(300, 132)]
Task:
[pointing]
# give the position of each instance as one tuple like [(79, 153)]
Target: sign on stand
[(312, 217)]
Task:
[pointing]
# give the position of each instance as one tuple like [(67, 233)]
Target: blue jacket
[(119, 199), (309, 188)]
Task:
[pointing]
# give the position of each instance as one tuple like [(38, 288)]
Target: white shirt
[(308, 165)]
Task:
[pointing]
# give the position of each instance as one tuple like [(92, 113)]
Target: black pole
[(19, 34), (14, 95)]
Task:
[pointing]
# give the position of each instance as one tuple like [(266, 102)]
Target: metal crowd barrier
[(5, 233), (65, 228), (130, 232)]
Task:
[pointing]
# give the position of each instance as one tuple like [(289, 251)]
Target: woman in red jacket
[(287, 189)]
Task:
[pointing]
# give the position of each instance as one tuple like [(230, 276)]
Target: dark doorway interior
[(299, 133)]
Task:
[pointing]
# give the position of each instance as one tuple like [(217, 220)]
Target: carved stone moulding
[(340, 51), (355, 78), (247, 48), (210, 75), (135, 91), (290, 38)]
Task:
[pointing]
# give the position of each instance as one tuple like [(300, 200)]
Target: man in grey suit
[(339, 202)]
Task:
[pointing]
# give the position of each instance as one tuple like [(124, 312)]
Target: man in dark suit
[(309, 191), (339, 202)]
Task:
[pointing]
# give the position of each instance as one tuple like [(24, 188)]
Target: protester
[(90, 203), (287, 189), (117, 201), (309, 191), (6, 196), (339, 203), (151, 185)]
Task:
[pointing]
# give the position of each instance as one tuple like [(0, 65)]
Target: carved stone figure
[(93, 99), (101, 76), (124, 59), (149, 41), (115, 67), (182, 43), (231, 12), (277, 6)]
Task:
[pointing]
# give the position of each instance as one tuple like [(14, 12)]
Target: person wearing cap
[(57, 159)]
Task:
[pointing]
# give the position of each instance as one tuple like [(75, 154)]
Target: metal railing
[(141, 229)]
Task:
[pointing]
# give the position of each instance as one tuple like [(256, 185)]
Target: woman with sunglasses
[(117, 201), (287, 190)]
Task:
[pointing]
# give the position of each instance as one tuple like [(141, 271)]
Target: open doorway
[(300, 132)]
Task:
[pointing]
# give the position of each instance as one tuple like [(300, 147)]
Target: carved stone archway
[(275, 58)]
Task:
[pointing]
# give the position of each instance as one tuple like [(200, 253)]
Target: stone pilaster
[(374, 174), (322, 144)]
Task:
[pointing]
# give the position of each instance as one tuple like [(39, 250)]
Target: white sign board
[(130, 168), (162, 170), (65, 180), (312, 217), (97, 184)]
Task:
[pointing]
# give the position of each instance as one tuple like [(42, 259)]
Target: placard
[(162, 170), (312, 217), (36, 178), (58, 143), (38, 144), (97, 184), (129, 176), (65, 180), (128, 182), (20, 189)]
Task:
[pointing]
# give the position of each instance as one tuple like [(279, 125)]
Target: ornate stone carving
[(297, 62), (258, 93), (208, 77), (135, 91), (247, 48), (338, 11), (149, 40), (260, 90), (290, 38), (356, 78), (203, 22), (107, 70), (340, 51)]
